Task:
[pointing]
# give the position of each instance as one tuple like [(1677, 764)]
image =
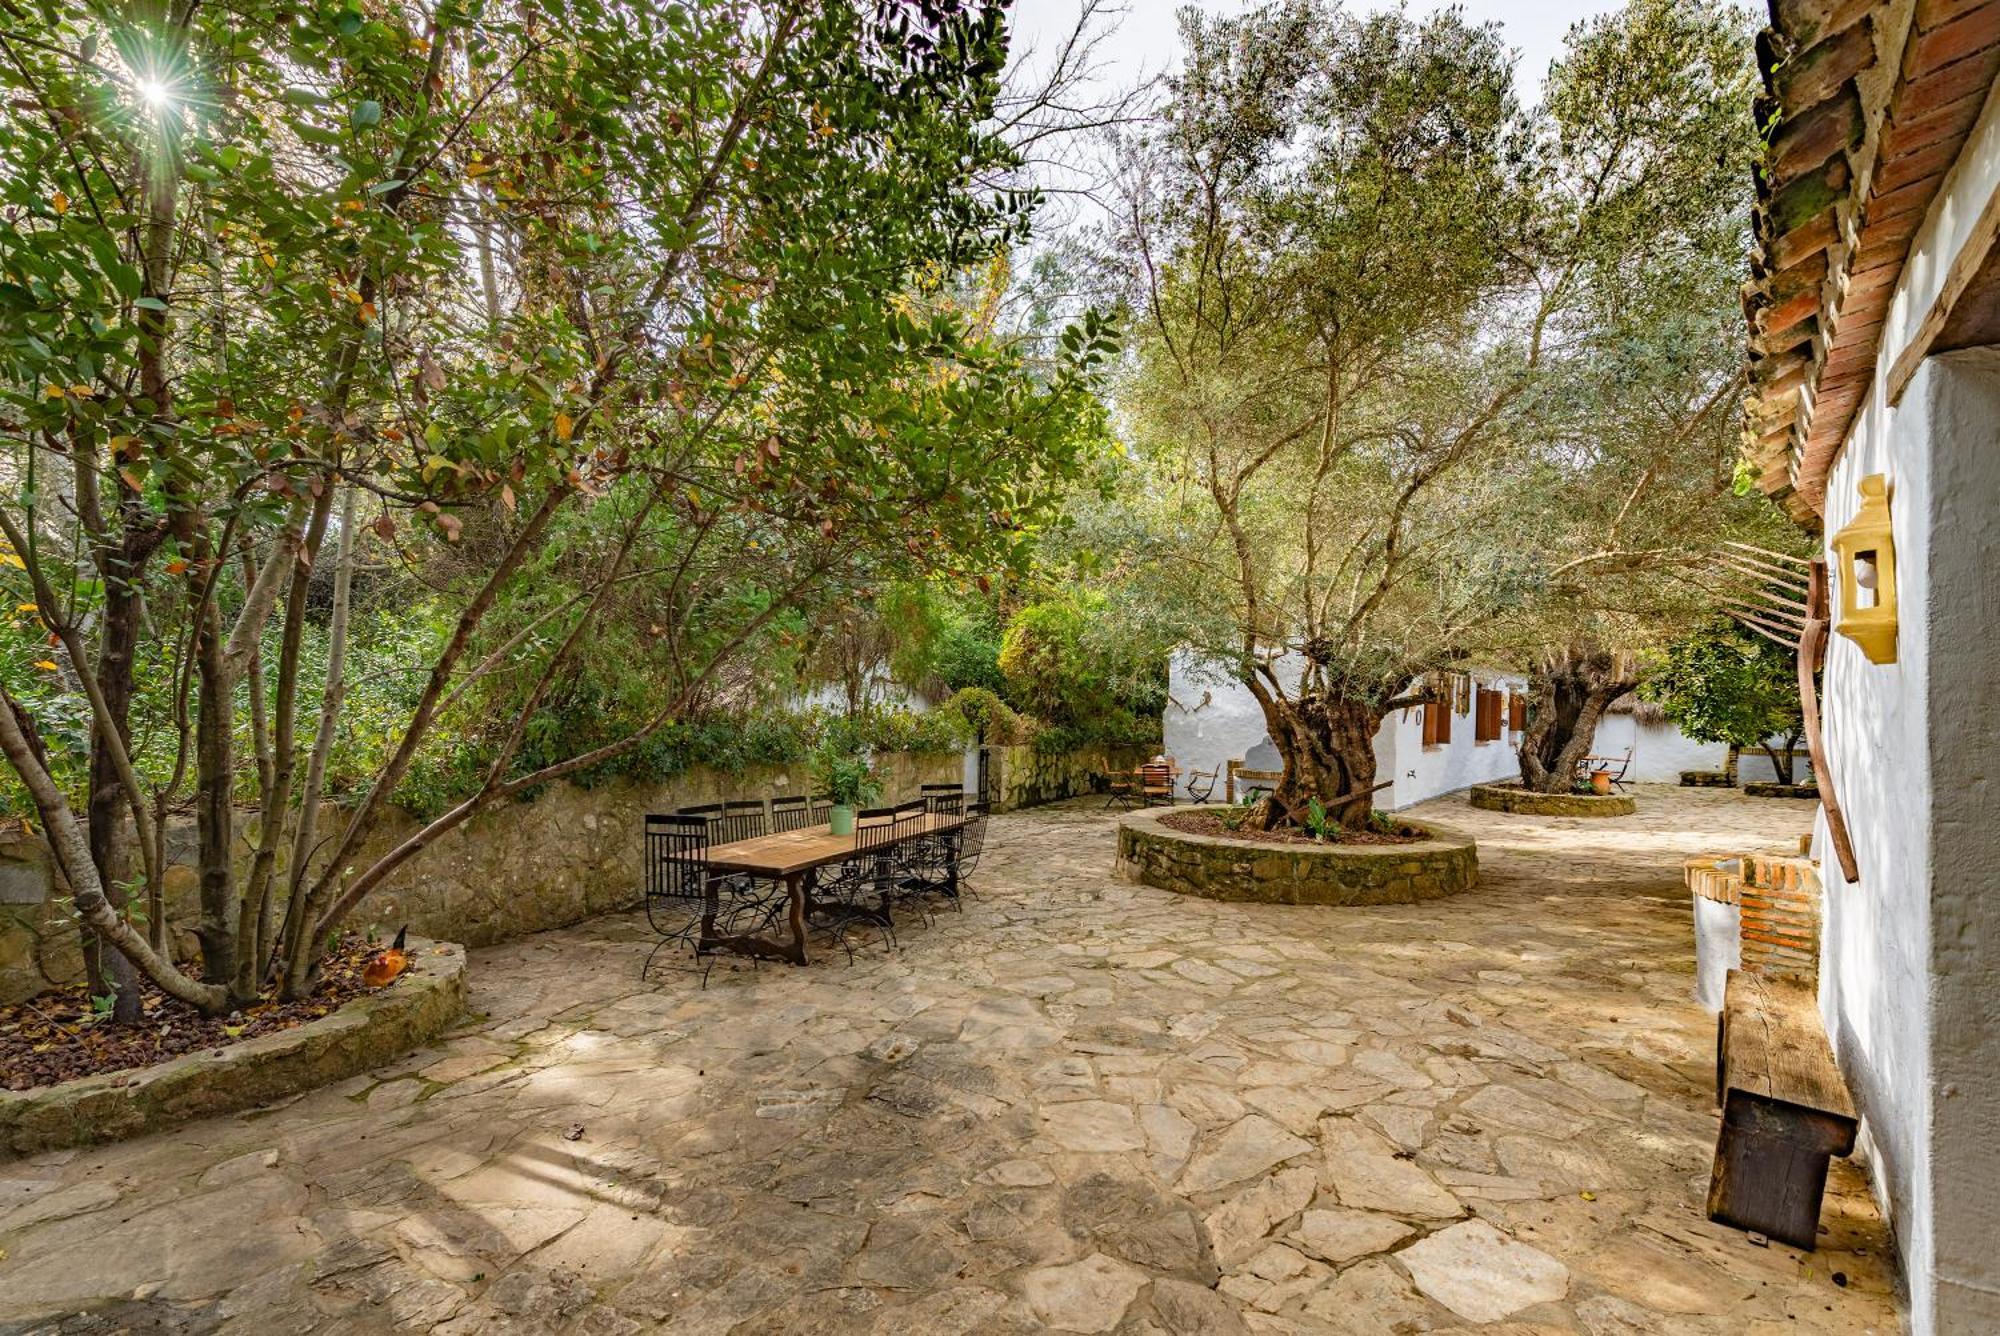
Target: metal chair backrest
[(676, 857), (821, 807), (707, 811), (1156, 774), (741, 820), (945, 801), (874, 829), (972, 836), (790, 813)]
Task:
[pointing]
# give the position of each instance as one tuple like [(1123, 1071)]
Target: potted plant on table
[(847, 777)]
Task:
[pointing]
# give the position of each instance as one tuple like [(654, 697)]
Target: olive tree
[(1422, 377)]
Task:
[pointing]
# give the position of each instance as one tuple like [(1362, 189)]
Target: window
[(1486, 718), (1437, 723)]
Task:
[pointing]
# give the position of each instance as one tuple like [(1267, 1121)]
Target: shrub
[(989, 718)]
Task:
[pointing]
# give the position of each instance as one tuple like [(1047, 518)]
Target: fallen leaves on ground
[(59, 1036)]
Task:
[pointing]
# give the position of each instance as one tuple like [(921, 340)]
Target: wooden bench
[(1785, 1110)]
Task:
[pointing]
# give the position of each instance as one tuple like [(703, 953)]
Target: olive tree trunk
[(1568, 695), (1328, 746)]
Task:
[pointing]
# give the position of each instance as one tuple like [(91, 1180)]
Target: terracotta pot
[(1600, 782)]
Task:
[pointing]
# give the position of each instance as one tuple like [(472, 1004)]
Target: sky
[(1140, 39), (1146, 41)]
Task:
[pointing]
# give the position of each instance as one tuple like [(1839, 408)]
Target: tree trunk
[(1328, 748), (253, 930), (107, 967), (1570, 693), (305, 834), (215, 720)]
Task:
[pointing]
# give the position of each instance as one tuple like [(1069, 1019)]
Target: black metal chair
[(1201, 783), (790, 813), (740, 820), (909, 855), (971, 844), (857, 889), (821, 808), (682, 892), (724, 828), (933, 858)]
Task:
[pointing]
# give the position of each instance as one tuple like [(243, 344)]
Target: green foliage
[(1083, 683), (730, 743), (844, 774), (990, 719), (1722, 683), (966, 651), (1318, 824)]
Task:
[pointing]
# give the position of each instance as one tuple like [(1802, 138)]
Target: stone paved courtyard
[(1077, 1106)]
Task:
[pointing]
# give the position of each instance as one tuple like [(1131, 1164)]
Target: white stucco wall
[(1910, 974), (1659, 751), (1963, 614), (1424, 772), (1211, 719), (1910, 959), (1873, 991)]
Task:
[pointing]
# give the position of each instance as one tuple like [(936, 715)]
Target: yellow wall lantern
[(1866, 554)]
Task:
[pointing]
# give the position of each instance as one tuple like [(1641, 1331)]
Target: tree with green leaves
[(606, 326), (1411, 389), (1624, 479), (1722, 683), (1327, 212)]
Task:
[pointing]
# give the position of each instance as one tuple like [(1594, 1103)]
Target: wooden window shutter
[(1443, 708), (1432, 711), (1486, 724), (1517, 712)]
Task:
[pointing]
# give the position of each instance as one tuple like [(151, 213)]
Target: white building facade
[(1211, 719), (1875, 354)]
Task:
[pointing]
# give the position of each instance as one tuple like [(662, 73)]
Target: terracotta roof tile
[(1867, 104)]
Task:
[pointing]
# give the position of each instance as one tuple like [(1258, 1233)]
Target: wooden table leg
[(795, 888), (792, 952)]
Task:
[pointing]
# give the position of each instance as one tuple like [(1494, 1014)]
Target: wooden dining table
[(792, 857)]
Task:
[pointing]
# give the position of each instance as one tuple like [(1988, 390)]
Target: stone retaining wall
[(1523, 802), (365, 1033), (1218, 868), (1023, 777), (569, 854), (1756, 789)]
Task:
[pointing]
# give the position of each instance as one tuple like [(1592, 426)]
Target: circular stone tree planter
[(1219, 868), (365, 1033), (1525, 802), (1774, 790)]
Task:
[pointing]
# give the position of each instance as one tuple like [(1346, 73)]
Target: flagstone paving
[(1078, 1106)]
